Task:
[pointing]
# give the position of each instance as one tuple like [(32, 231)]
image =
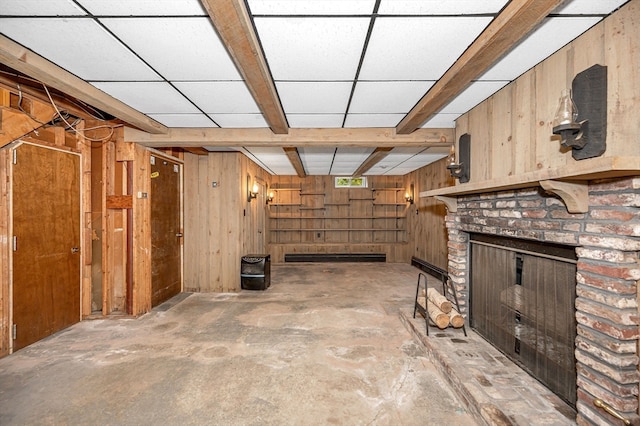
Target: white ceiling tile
[(441, 121), (239, 120), (316, 160), (183, 120), (311, 7), (143, 7), (274, 159), (549, 37), (80, 46), (439, 7), (585, 7), (40, 8), (387, 96), (149, 97), (314, 97), (435, 44), (231, 97), (348, 159), (178, 48), (373, 120), (475, 93), (313, 121), (312, 48)]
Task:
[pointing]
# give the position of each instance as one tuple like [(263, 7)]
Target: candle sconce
[(581, 117), (460, 169), (408, 196)]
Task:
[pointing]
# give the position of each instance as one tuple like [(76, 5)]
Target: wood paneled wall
[(310, 215), (425, 220), (221, 225), (511, 132)]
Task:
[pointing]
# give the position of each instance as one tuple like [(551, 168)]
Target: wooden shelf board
[(337, 229), (312, 193), (584, 170), (390, 204), (361, 199), (337, 204), (387, 189), (286, 189), (284, 204), (311, 208)]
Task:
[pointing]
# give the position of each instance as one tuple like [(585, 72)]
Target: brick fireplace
[(607, 247)]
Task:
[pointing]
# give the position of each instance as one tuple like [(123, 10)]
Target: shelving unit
[(355, 215)]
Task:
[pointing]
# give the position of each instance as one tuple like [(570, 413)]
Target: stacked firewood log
[(440, 309)]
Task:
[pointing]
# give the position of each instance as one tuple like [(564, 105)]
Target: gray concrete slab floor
[(323, 345)]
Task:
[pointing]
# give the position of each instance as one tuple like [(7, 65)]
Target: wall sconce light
[(252, 190), (408, 196), (460, 170), (581, 120), (270, 197)]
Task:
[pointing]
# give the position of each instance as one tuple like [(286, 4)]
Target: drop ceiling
[(333, 63)]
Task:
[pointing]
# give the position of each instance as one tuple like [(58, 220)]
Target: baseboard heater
[(335, 257)]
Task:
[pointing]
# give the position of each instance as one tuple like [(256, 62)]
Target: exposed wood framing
[(515, 21), (234, 26), (296, 161), (377, 155), (380, 137), (25, 61)]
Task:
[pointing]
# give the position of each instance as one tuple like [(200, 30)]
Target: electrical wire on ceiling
[(61, 115)]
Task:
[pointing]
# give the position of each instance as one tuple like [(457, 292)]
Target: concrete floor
[(323, 345)]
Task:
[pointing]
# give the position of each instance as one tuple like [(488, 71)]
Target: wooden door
[(46, 230), (166, 237)]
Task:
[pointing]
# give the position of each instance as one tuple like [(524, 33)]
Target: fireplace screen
[(523, 302)]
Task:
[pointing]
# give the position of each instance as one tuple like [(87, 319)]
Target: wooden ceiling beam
[(296, 161), (372, 160), (198, 150), (199, 137), (231, 19), (513, 23), (27, 62)]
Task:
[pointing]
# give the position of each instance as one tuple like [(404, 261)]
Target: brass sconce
[(581, 119), (252, 190), (270, 196), (408, 196), (460, 169)]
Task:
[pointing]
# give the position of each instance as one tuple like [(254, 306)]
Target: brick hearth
[(607, 241)]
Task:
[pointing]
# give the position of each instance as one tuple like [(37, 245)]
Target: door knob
[(75, 249)]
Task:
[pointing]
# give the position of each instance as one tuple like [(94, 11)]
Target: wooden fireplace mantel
[(569, 182)]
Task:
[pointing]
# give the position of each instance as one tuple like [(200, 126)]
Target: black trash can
[(255, 271)]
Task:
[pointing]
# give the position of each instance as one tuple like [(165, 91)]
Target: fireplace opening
[(522, 300)]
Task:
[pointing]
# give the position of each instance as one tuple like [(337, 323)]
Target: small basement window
[(351, 182)]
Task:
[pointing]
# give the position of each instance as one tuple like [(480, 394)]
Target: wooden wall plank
[(141, 296), (622, 55), (5, 262), (615, 42)]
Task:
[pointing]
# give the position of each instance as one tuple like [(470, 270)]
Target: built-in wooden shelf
[(361, 199), (337, 204), (568, 182), (311, 208), (312, 193), (285, 204), (388, 189), (390, 204), (336, 229), (286, 189)]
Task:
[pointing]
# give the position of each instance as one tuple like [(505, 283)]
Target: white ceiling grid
[(335, 63)]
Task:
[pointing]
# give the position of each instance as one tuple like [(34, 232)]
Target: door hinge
[(15, 156), (15, 243), (15, 331)]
